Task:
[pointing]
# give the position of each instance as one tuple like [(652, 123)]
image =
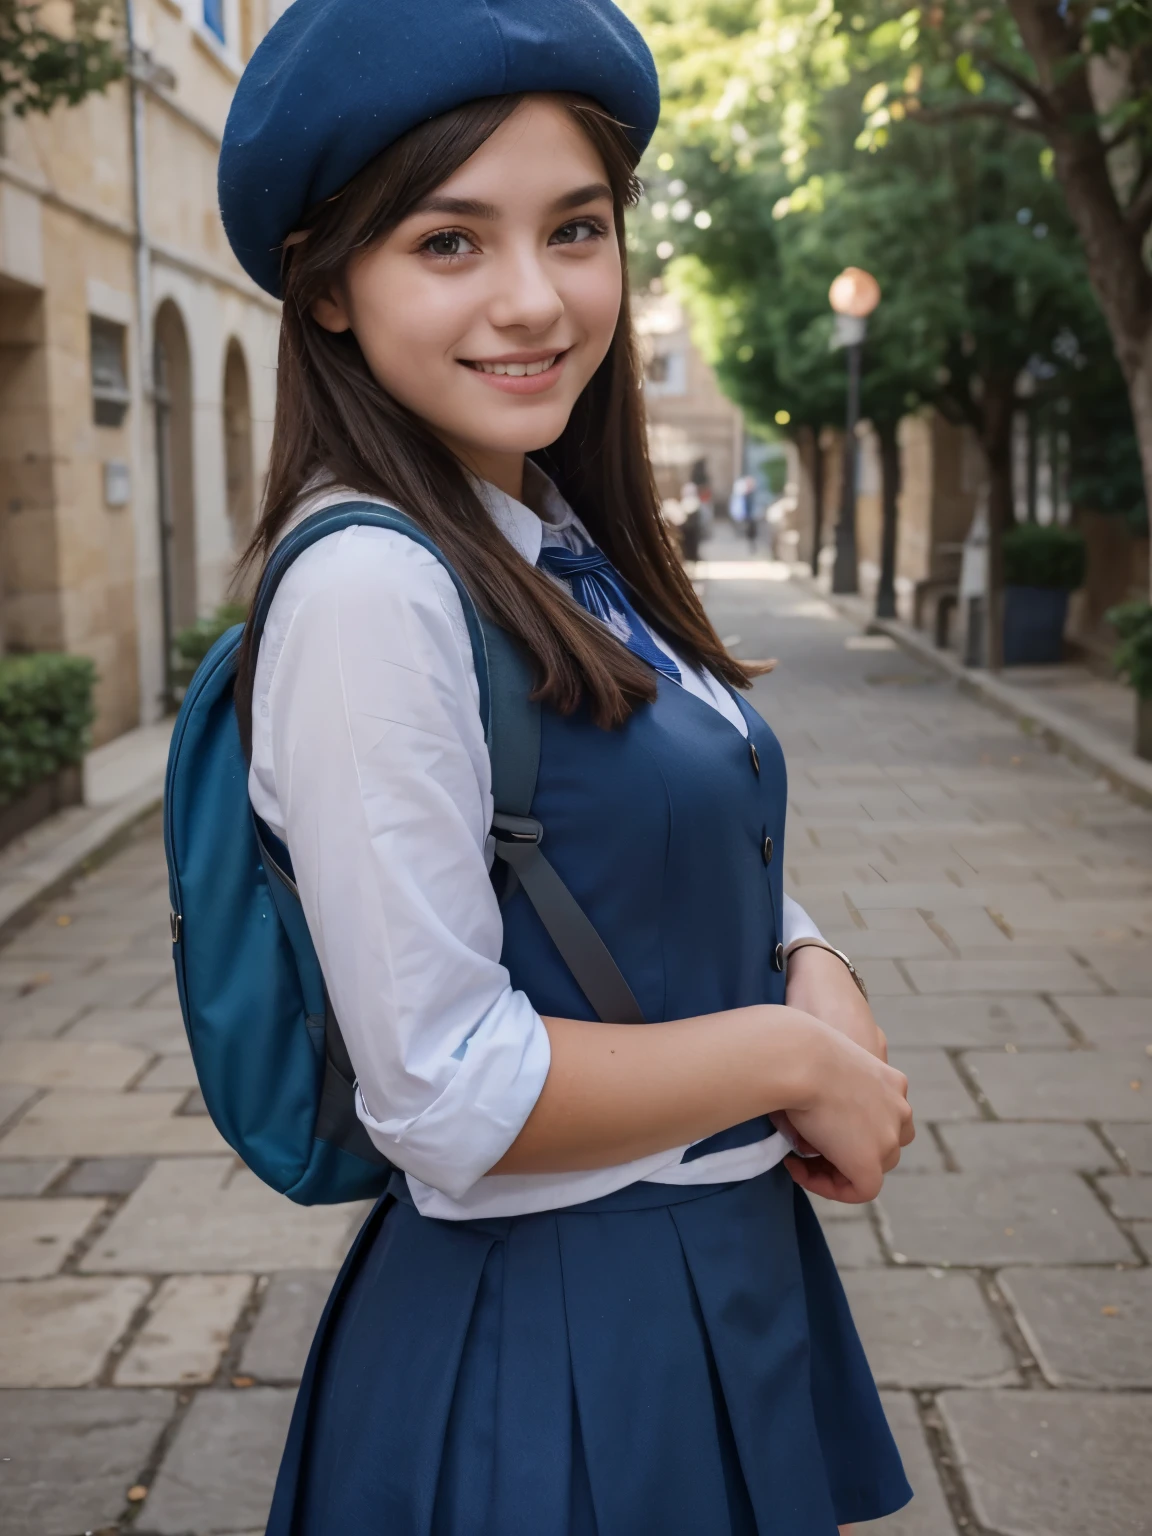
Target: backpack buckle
[(517, 829)]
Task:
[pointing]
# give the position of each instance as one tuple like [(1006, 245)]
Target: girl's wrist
[(797, 1048)]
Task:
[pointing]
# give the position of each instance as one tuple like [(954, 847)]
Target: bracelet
[(832, 950)]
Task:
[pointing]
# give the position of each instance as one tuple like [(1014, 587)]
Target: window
[(667, 373), (214, 17), (110, 395)]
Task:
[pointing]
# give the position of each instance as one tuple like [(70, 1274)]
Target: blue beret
[(334, 82)]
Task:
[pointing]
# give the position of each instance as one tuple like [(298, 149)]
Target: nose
[(524, 295)]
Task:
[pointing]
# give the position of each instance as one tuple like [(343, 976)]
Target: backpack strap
[(514, 747), (512, 731)]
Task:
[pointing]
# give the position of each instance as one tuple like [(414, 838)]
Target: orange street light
[(853, 296)]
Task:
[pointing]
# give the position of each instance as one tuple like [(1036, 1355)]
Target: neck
[(503, 470)]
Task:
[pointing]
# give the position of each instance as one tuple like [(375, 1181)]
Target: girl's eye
[(448, 242), (579, 232)]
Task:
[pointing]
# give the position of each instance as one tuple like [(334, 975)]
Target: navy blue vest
[(669, 832)]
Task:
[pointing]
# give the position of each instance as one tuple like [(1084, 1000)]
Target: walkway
[(156, 1301)]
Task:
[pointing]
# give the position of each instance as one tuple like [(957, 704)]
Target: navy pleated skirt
[(665, 1361)]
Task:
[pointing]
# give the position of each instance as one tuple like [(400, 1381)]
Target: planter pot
[(1034, 625), (1144, 727), (39, 802)]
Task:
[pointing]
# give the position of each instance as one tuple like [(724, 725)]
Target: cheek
[(593, 299), (406, 328)]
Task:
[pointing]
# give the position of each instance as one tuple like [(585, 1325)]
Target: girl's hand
[(857, 1118), (820, 984)]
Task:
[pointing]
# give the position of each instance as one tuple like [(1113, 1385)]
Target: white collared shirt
[(369, 761)]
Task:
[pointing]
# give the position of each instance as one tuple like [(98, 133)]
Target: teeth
[(517, 370)]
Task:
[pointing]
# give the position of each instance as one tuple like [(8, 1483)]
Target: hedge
[(1044, 555), (45, 711), (1133, 656), (194, 643)]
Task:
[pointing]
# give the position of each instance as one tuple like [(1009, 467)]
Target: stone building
[(137, 361), (693, 429)]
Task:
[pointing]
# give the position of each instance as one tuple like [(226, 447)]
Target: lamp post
[(853, 296)]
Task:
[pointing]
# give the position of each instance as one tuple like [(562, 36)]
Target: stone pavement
[(156, 1302)]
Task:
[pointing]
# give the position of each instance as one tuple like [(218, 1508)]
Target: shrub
[(45, 712), (1133, 656), (1044, 555), (194, 643)]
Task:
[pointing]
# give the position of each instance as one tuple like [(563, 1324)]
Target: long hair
[(334, 421)]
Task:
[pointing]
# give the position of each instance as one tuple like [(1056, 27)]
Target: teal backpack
[(272, 1065)]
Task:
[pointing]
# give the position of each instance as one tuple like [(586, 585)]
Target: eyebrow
[(471, 208)]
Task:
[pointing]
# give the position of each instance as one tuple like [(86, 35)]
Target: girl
[(597, 1299)]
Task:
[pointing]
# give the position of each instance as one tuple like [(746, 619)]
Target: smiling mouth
[(518, 370)]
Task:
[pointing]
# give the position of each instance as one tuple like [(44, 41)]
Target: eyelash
[(597, 226)]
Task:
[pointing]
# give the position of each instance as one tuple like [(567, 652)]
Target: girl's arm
[(614, 1093)]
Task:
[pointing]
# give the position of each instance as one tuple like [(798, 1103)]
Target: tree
[(43, 63), (1071, 75), (981, 269)]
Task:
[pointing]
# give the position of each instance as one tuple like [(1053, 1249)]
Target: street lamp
[(853, 296)]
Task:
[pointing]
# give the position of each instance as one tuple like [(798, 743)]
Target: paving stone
[(1055, 1463), (194, 1104), (1086, 1327), (187, 1330), (13, 1097), (106, 1176), (928, 1328), (278, 1345), (991, 1146), (58, 1332), (195, 1215), (922, 1155), (1111, 1021), (1018, 1216), (1058, 973), (1130, 1197), (176, 1071), (74, 1124), (69, 1063), (28, 1019), (1134, 1141), (1123, 968), (922, 1022), (1074, 1085), (934, 1087), (159, 1031), (37, 1235), (29, 1177), (221, 1468), (853, 1245), (927, 1514), (72, 1455)]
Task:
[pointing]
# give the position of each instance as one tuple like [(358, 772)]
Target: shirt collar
[(526, 529)]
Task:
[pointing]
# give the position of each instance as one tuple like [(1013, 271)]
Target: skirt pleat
[(667, 1361)]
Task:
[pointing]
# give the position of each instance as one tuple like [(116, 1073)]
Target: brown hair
[(334, 419)]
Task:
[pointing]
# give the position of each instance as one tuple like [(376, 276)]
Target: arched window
[(174, 471), (238, 447)]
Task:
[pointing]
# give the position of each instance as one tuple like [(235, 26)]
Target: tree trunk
[(1113, 236), (817, 499), (888, 434), (998, 406)]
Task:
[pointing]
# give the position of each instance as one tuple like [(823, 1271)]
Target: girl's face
[(488, 310)]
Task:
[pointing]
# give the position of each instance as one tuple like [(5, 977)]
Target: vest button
[(767, 850), (778, 958), (755, 756)]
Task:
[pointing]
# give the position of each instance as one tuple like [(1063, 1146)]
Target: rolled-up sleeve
[(383, 782)]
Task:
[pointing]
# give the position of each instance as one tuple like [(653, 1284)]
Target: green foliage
[(194, 643), (1133, 656), (45, 712), (1039, 555), (42, 65)]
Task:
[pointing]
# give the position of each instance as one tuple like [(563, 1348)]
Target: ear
[(331, 312)]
